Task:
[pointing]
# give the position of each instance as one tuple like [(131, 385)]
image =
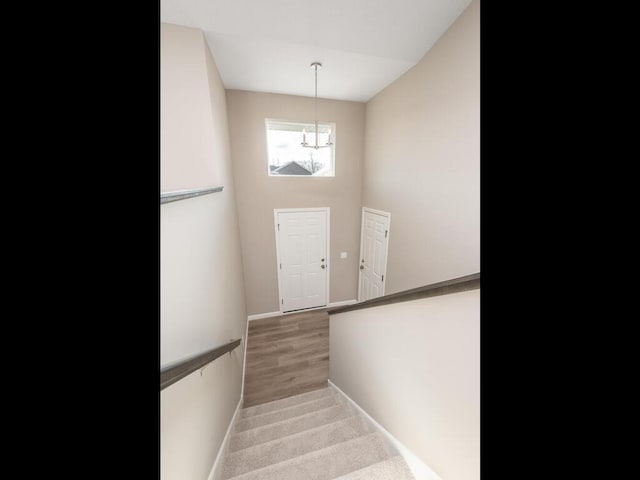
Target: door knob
[(322, 266), (361, 267)]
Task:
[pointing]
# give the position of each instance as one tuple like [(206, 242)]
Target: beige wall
[(194, 415), (415, 368), (422, 160), (202, 297), (259, 194), (188, 157)]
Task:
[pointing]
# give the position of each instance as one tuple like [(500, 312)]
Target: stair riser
[(268, 433), (292, 446), (326, 464), (285, 402), (312, 436), (291, 412), (393, 469)]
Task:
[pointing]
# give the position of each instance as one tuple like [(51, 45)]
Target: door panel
[(302, 245), (373, 255)]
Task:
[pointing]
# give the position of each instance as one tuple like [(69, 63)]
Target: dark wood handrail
[(460, 284), (176, 195), (170, 374)]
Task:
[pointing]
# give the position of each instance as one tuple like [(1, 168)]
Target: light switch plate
[(343, 254)]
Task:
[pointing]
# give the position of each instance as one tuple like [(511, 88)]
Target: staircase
[(312, 436)]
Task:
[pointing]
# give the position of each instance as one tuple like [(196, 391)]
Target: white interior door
[(374, 245), (302, 245)]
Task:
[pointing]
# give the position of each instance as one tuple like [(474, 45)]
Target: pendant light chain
[(315, 110), (304, 143)]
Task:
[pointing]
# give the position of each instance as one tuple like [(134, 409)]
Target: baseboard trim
[(419, 469), (258, 316), (216, 470)]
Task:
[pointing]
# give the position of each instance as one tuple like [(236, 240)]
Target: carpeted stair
[(313, 436)]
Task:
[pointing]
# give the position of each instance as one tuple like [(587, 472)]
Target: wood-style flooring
[(286, 355)]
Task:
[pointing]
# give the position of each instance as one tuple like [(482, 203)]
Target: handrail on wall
[(170, 374), (460, 284), (175, 195)]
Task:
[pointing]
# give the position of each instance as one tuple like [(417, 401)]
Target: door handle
[(322, 266), (361, 267)]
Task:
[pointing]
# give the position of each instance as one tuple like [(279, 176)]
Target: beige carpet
[(312, 436)]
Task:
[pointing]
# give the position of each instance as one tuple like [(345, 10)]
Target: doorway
[(374, 246), (302, 252)]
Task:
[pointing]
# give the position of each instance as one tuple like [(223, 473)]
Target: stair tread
[(392, 469), (326, 463), (260, 420), (285, 402), (295, 445), (289, 426)]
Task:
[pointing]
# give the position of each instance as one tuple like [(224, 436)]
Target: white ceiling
[(268, 45)]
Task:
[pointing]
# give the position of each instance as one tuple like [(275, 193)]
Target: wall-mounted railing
[(176, 195), (170, 374), (455, 285)]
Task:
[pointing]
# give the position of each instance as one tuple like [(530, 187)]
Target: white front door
[(302, 254), (374, 243)]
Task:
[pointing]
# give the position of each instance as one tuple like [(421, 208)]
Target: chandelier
[(316, 66)]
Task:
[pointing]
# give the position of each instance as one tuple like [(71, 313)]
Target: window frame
[(331, 125)]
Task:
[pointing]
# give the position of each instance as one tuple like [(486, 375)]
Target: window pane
[(288, 157)]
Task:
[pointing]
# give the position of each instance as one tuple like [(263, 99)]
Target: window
[(287, 157)]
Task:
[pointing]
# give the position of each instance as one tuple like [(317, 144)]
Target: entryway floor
[(286, 355)]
